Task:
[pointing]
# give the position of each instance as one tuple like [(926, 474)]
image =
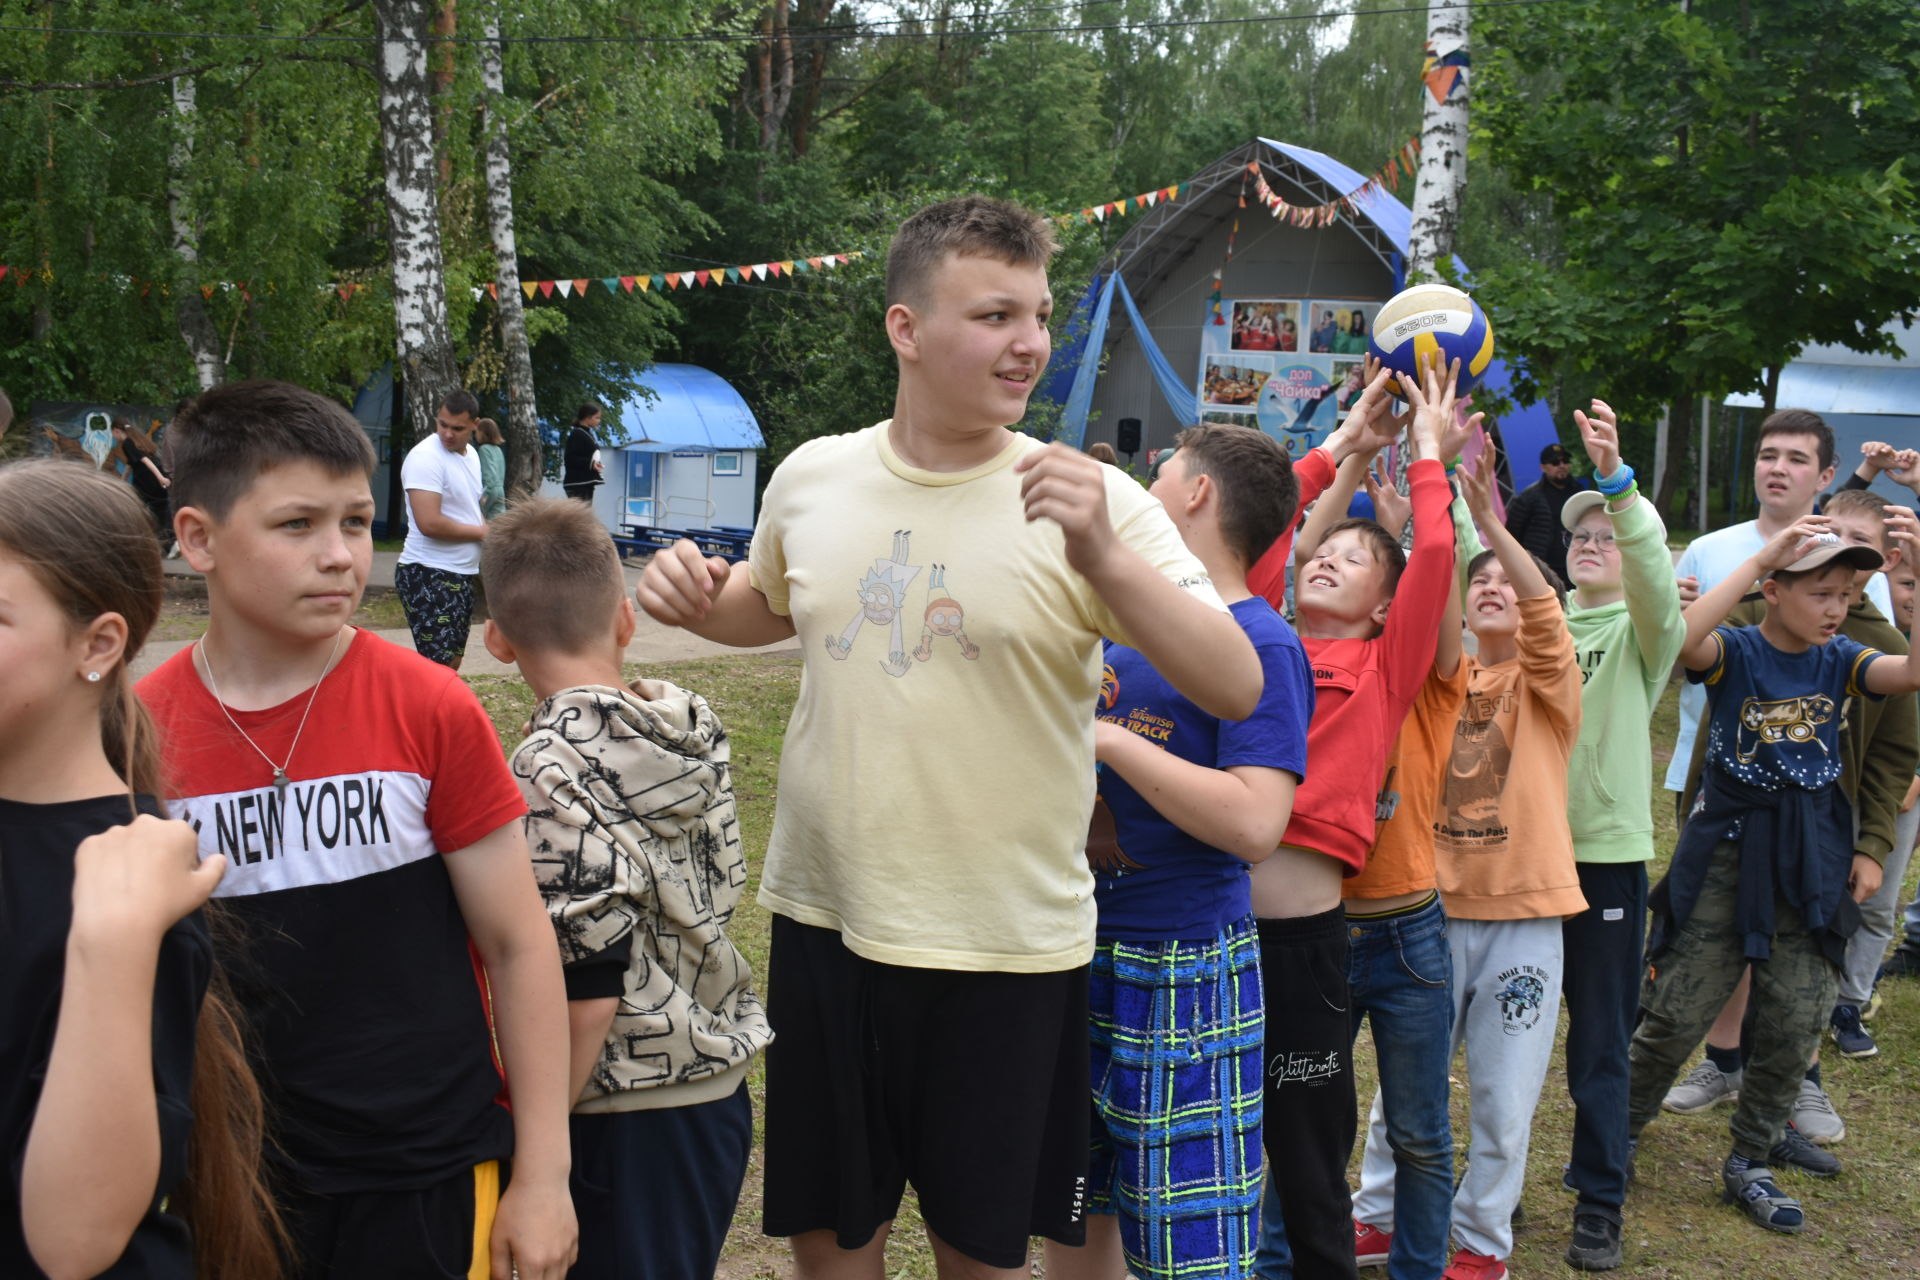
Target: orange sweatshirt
[(1402, 857), (1502, 849)]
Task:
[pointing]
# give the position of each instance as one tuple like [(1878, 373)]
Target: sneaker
[(1755, 1191), (1852, 1039), (1794, 1150), (1903, 963), (1371, 1245), (1596, 1240), (1704, 1086), (1475, 1266), (1815, 1118), (1871, 1007)]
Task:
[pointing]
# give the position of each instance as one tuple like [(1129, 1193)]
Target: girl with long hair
[(132, 1126)]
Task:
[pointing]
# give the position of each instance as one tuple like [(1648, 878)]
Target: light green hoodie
[(1626, 651)]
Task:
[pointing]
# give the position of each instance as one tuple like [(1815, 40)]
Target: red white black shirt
[(354, 967)]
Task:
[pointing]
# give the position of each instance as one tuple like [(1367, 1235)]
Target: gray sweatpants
[(1867, 948), (1791, 1001)]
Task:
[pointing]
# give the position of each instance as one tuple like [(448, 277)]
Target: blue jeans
[(1400, 975)]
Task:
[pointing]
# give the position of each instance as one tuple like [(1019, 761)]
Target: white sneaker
[(1815, 1118), (1704, 1086)]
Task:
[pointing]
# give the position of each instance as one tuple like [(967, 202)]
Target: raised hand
[(1905, 469), (1476, 486), (1876, 456), (1904, 529), (1785, 548), (1370, 424), (679, 584), (1600, 433), (1461, 429), (1433, 405), (1391, 508)]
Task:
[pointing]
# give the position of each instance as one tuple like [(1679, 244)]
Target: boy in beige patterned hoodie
[(636, 848)]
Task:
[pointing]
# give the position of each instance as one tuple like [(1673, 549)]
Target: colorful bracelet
[(1617, 483)]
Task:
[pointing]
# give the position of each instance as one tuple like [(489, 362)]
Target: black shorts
[(431, 1233), (970, 1086), (439, 605)]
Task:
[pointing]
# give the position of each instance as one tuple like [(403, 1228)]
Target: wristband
[(1453, 466), (1617, 483)]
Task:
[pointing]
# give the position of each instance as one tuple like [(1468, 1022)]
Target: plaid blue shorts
[(1176, 1037)]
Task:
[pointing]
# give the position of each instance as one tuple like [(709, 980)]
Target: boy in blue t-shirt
[(1765, 872), (1187, 803)]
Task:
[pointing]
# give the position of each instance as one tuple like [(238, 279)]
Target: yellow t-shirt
[(937, 774)]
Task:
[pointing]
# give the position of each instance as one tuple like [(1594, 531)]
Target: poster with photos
[(1264, 324), (1339, 328)]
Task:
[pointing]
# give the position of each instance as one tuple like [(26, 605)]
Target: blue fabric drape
[(1178, 393)]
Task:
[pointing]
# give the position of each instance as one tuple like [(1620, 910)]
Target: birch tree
[(523, 426), (190, 309), (1441, 183), (421, 339)]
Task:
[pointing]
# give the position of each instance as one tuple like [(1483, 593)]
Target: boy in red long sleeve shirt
[(1368, 616)]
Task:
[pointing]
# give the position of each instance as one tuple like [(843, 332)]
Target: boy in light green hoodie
[(1627, 634)]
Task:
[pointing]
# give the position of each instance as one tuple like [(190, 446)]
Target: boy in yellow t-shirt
[(949, 581)]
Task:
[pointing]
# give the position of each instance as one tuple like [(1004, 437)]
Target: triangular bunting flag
[(645, 283), (1139, 202), (658, 282), (733, 275), (206, 291), (493, 290), (528, 286), (626, 282), (1152, 197), (580, 287), (1099, 214), (673, 280), (612, 283), (703, 277), (3, 272), (814, 263), (565, 287), (786, 265), (759, 271), (1440, 80), (546, 289)]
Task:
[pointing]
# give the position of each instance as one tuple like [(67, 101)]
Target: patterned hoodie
[(636, 847)]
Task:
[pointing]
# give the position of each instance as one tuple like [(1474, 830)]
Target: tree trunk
[(523, 426), (776, 74), (413, 213), (1441, 182), (190, 309), (1770, 391), (1671, 497)]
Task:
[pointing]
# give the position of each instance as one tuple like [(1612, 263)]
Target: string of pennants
[(1389, 177), (23, 275)]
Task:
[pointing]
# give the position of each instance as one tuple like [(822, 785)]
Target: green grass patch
[(1866, 1223)]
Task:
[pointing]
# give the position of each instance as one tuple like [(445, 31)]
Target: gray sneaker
[(1704, 1086), (1815, 1118)]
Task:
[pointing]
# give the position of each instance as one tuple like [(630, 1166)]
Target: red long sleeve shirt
[(1363, 689)]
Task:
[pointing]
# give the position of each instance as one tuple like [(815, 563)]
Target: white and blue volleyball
[(1433, 322)]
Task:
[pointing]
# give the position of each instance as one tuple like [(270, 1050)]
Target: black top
[(138, 473), (36, 911), (1533, 518), (579, 458)]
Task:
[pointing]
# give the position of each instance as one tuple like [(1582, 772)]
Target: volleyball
[(1433, 322)]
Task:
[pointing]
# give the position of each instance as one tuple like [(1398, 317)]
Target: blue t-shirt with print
[(1774, 717), (1155, 882)]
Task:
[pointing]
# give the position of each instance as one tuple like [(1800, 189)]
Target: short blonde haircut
[(552, 576), (977, 226)]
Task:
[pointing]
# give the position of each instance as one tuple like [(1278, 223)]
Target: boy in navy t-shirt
[(1765, 872), (1188, 802)]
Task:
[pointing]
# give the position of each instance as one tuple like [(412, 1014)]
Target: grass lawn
[(1865, 1223)]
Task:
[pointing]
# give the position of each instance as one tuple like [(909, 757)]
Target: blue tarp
[(691, 408), (1842, 389)]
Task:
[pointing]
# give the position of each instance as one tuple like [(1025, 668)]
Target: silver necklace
[(279, 770)]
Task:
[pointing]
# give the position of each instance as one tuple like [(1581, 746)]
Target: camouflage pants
[(1793, 994)]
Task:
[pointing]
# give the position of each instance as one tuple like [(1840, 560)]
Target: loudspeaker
[(1127, 436)]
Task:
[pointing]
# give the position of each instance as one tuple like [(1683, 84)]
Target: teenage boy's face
[(1344, 582), (1172, 485), (1902, 586), (292, 555), (1857, 528), (1491, 604), (1811, 606), (983, 340), (1593, 561), (1787, 474), (455, 429)]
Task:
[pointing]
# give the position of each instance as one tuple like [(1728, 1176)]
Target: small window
[(726, 464)]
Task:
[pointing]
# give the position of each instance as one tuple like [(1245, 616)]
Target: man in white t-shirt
[(440, 563)]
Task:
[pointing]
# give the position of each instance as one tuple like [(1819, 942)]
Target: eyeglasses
[(1584, 537)]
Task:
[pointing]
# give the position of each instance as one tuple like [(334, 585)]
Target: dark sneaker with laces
[(1903, 963), (1796, 1152), (1755, 1191), (1596, 1240), (1852, 1039)]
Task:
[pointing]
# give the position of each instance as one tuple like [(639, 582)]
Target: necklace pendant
[(280, 779)]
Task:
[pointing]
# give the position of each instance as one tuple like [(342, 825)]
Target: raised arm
[(1411, 634), (1476, 483), (1329, 507), (1890, 675), (1712, 608), (1646, 566)]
